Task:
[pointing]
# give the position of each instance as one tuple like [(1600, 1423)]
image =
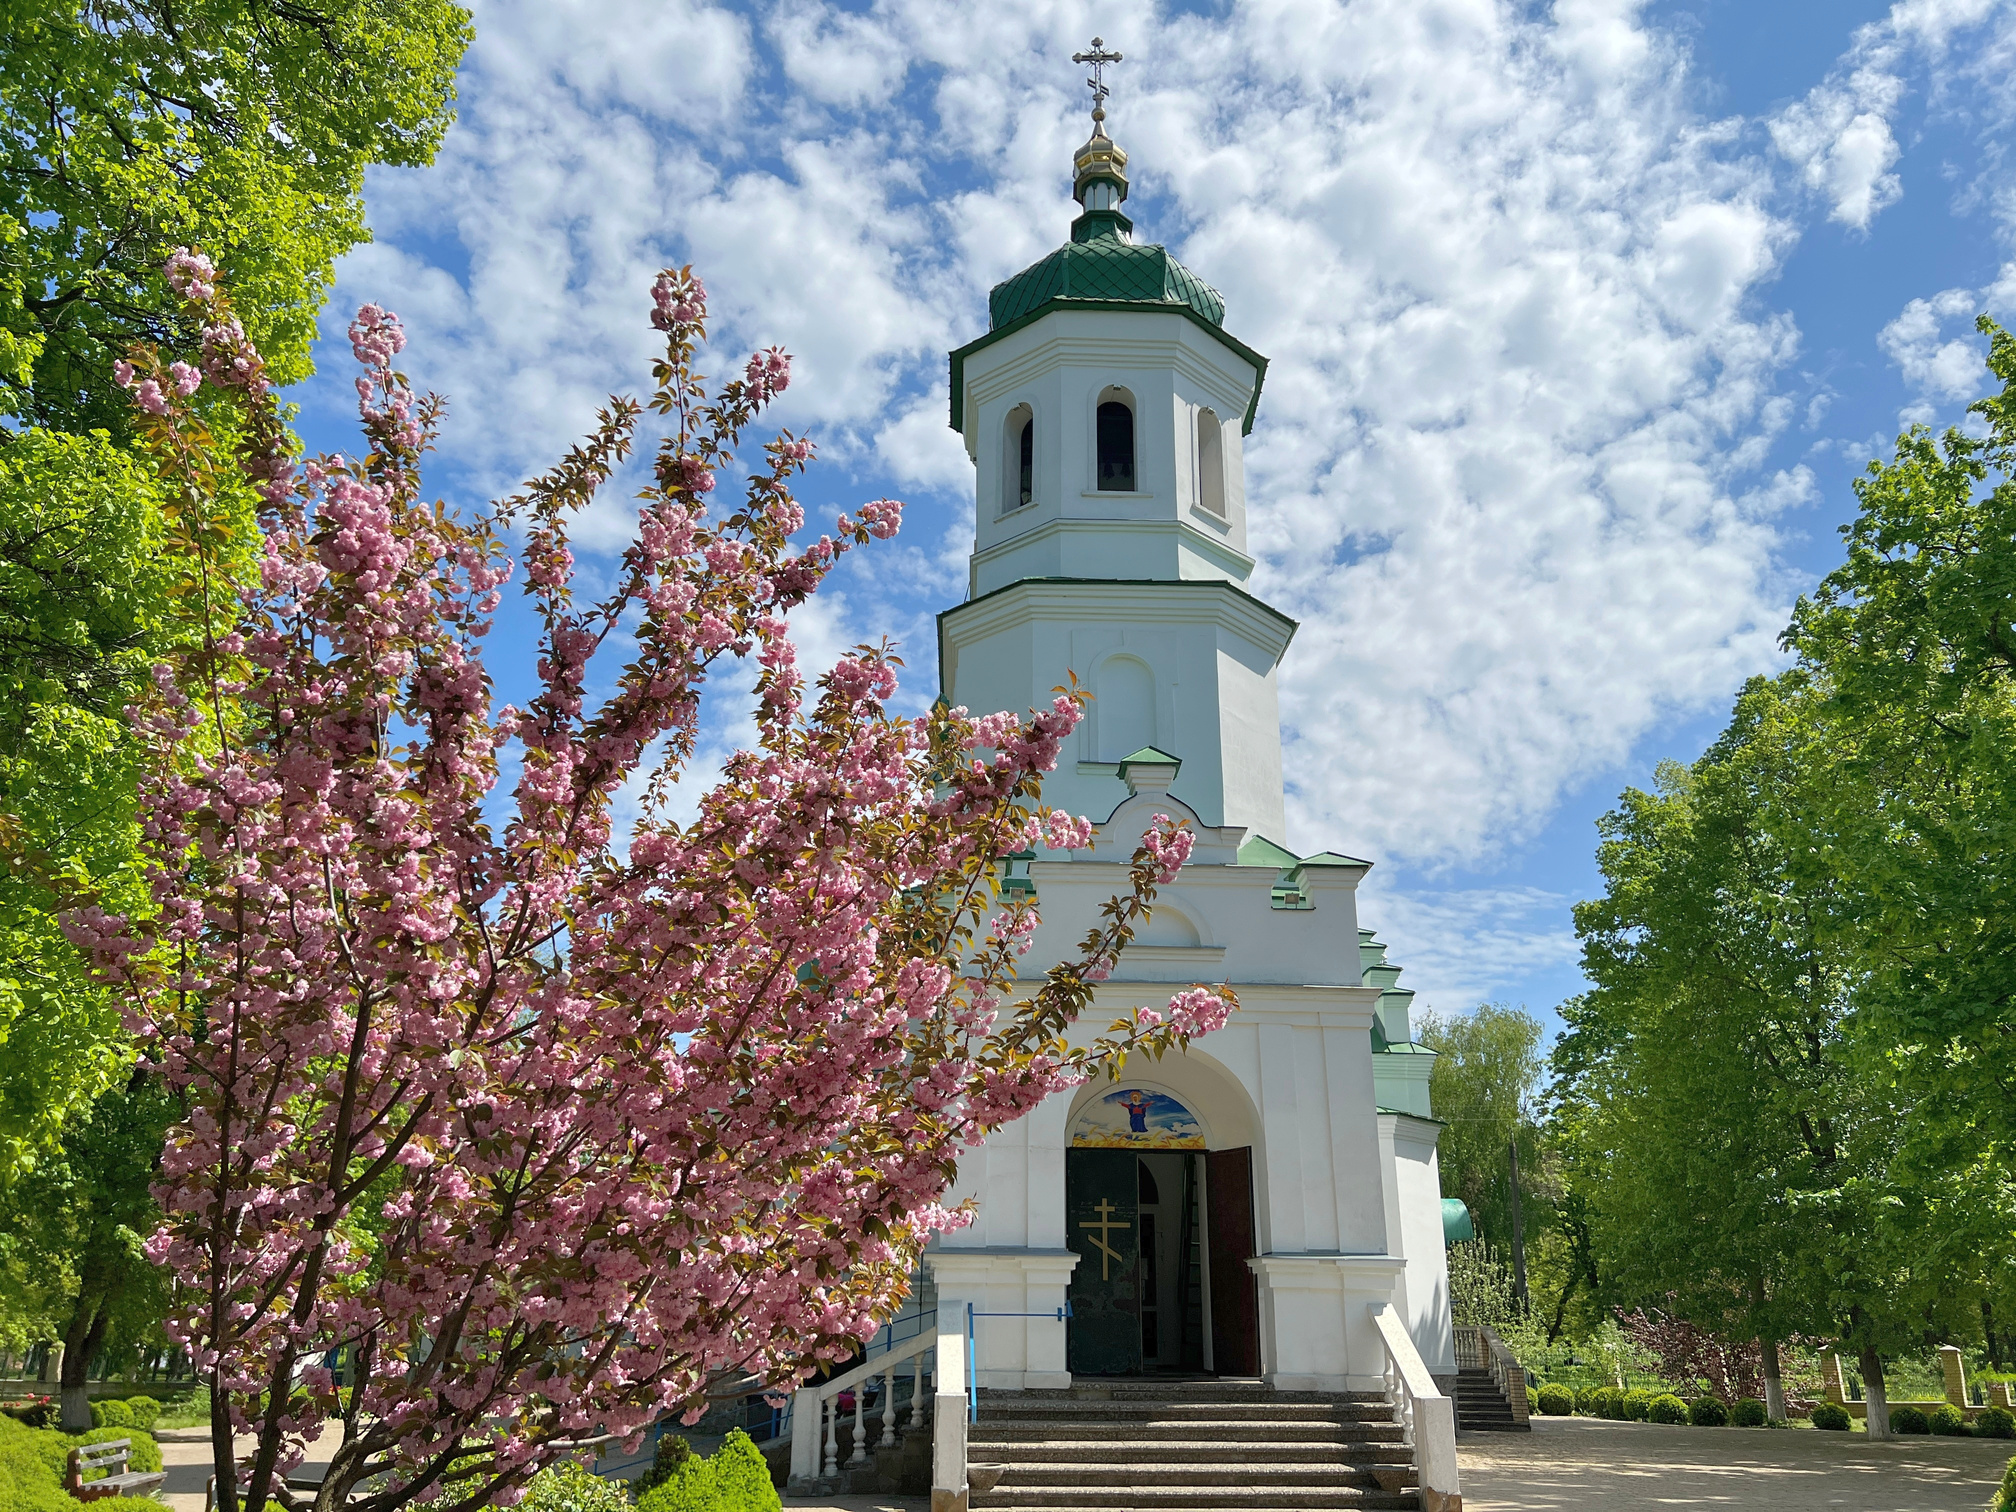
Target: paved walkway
[(1592, 1465)]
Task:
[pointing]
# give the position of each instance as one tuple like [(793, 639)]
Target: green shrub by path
[(735, 1479), (1532, 1399), (573, 1488), (145, 1410), (1556, 1401), (1707, 1412), (672, 1452), (35, 1461), (1666, 1409), (1948, 1422), (1908, 1420), (1748, 1413), (1995, 1423), (1585, 1398), (1637, 1402), (1610, 1404), (2005, 1499), (1832, 1416), (111, 1413)]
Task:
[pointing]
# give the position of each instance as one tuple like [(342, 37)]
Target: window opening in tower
[(1028, 461), (1116, 447)]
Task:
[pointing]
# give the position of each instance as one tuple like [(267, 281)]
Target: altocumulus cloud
[(1511, 280)]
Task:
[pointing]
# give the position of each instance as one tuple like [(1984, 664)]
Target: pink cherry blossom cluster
[(553, 1136)]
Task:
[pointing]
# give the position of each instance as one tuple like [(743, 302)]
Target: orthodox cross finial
[(1098, 58)]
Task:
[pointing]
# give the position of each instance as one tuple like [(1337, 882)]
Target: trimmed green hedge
[(1667, 1409), (571, 1488), (735, 1479), (1995, 1422), (1949, 1422), (1707, 1412), (1748, 1413), (34, 1461), (1908, 1420), (1832, 1416), (1556, 1401), (1638, 1402)]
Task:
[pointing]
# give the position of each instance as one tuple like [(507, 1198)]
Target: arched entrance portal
[(1163, 1228)]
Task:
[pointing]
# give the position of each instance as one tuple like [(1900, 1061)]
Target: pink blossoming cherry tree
[(549, 1134)]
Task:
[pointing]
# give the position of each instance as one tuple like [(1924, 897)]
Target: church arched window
[(1116, 441), (1210, 464), (1018, 476), (1123, 704)]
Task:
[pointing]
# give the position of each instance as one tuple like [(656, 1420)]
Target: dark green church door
[(1101, 1192)]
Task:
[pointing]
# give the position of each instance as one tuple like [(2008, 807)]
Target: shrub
[(1667, 1409), (1908, 1420), (573, 1488), (1948, 1421), (145, 1410), (2005, 1499), (111, 1413), (34, 1461), (1748, 1413), (1532, 1400), (1995, 1422), (1556, 1401), (672, 1452), (1831, 1416), (1585, 1399), (1613, 1404), (736, 1479), (1707, 1412), (1637, 1402)]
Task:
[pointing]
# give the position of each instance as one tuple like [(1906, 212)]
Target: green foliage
[(1831, 1416), (111, 1413), (671, 1452), (1585, 1398), (192, 1411), (1948, 1421), (1748, 1412), (2005, 1496), (34, 1462), (1908, 1419), (574, 1488), (1556, 1401), (136, 126), (1532, 1399), (1995, 1422), (1480, 1285), (735, 1479), (1666, 1408), (1637, 1402), (1707, 1412), (146, 1411), (1609, 1403), (1487, 1064)]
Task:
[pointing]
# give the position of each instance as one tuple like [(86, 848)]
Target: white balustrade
[(1427, 1417), (816, 1409)]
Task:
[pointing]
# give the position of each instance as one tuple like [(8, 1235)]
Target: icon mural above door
[(1136, 1118)]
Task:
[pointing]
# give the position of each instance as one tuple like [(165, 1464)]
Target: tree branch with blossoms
[(550, 1135)]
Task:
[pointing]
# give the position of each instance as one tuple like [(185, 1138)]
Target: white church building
[(1229, 1211)]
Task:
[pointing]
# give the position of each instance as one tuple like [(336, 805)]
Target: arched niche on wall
[(1123, 707), (1018, 459), (1116, 441), (1210, 464), (1209, 1092)]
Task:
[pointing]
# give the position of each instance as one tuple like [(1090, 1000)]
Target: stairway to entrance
[(1201, 1446), (1481, 1407)]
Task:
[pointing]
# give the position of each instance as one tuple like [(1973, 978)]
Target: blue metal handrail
[(972, 1367)]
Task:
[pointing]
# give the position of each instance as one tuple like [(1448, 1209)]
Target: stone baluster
[(860, 1454), (918, 1403), (829, 1409), (888, 1438)]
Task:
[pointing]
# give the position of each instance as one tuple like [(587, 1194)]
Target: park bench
[(111, 1457)]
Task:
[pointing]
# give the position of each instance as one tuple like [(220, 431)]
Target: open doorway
[(1162, 1286)]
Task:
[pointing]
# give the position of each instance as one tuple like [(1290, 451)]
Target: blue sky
[(1582, 319)]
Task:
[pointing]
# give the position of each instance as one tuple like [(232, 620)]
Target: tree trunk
[(1873, 1393), (1988, 1328), (1774, 1388), (81, 1342), (1518, 1239)]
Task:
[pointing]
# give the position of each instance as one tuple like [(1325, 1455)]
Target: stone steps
[(1192, 1446)]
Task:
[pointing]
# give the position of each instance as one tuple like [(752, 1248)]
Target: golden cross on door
[(1105, 1224)]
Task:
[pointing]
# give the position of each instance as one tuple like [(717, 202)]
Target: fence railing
[(1480, 1348), (1427, 1417), (816, 1409)]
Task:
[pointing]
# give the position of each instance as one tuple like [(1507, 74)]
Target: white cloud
[(1839, 136), (1458, 947), (1934, 345)]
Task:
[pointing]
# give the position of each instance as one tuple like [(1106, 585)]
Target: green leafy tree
[(1487, 1065), (131, 127), (1912, 646), (1742, 1166)]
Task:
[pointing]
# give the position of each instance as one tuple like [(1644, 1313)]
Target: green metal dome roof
[(1099, 263)]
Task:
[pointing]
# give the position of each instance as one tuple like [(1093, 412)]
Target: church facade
[(1231, 1210)]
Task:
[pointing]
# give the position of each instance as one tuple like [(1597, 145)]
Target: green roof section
[(1102, 265), (1258, 850), (1149, 756), (1332, 858)]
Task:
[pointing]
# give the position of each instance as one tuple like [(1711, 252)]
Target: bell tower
[(1105, 412)]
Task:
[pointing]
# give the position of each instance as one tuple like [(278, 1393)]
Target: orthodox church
[(1230, 1211)]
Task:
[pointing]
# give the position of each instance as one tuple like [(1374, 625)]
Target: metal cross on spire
[(1098, 58)]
